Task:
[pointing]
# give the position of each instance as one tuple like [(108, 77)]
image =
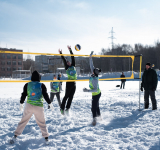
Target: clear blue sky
[(47, 25)]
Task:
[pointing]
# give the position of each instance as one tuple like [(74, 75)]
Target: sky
[(48, 25)]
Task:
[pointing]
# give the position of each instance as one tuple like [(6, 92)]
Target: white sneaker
[(99, 118), (94, 121), (13, 140), (67, 112), (47, 141)]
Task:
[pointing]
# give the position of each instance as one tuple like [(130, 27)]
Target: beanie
[(148, 63), (96, 71)]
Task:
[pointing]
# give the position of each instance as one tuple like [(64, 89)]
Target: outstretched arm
[(64, 59), (72, 57), (91, 62)]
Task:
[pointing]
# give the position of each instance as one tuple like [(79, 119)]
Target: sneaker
[(13, 140), (46, 141), (62, 111), (99, 118), (67, 111), (94, 122)]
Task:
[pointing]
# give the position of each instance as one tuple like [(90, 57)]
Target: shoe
[(99, 118), (13, 140), (67, 111), (48, 107), (146, 107), (46, 141), (62, 111), (154, 108), (94, 121)]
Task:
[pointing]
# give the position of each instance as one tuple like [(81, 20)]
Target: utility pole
[(112, 37)]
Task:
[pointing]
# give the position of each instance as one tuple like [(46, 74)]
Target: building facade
[(51, 64), (47, 64), (10, 62)]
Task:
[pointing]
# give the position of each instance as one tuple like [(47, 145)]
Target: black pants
[(69, 93), (122, 83), (58, 97), (95, 105), (153, 99)]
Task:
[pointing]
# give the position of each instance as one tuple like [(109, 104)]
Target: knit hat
[(35, 76), (148, 63), (96, 71)]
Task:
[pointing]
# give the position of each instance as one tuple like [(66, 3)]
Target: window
[(13, 56), (8, 69), (8, 63), (3, 69), (3, 55), (8, 75), (14, 63), (2, 62), (19, 56), (19, 63), (8, 56), (19, 68), (14, 69)]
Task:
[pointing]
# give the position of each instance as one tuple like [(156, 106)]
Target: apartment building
[(47, 64), (10, 62)]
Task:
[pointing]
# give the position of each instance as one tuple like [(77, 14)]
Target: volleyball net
[(49, 64)]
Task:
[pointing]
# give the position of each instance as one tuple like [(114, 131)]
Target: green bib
[(91, 86), (71, 73), (34, 93), (56, 86)]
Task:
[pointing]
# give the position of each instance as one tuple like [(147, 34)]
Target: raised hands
[(69, 47), (91, 54), (60, 51)]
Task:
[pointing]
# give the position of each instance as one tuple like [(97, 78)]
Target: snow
[(123, 126), (49, 76)]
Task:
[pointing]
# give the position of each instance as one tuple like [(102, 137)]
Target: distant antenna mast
[(112, 37)]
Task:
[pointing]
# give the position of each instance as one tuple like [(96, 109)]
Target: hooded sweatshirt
[(27, 89), (93, 81)]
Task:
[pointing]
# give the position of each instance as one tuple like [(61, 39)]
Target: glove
[(51, 106), (153, 89), (21, 107), (91, 53), (85, 90)]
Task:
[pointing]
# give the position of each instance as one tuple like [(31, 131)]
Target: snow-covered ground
[(123, 125)]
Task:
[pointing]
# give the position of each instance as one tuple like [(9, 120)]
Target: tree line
[(116, 64), (149, 54)]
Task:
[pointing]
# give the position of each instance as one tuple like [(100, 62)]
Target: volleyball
[(77, 47)]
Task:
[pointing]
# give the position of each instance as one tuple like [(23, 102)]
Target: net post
[(140, 79)]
